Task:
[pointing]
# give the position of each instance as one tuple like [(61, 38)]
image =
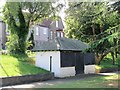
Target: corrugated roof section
[(61, 44)]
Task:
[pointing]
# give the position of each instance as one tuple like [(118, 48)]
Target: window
[(56, 23), (45, 31), (51, 34), (61, 34), (37, 31), (58, 34)]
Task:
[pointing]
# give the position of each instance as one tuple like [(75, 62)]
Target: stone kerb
[(25, 79)]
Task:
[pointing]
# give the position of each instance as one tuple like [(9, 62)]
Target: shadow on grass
[(29, 69), (21, 57), (26, 67)]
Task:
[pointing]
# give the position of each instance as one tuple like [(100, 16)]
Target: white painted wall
[(67, 71), (89, 69), (43, 61), (0, 35)]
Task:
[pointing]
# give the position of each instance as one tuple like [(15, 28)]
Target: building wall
[(41, 34), (43, 61), (2, 34), (70, 71), (57, 25), (67, 71), (54, 29), (89, 69)]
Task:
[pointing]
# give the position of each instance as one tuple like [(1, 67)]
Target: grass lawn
[(92, 82), (16, 67)]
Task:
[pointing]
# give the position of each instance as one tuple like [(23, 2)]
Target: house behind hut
[(47, 30)]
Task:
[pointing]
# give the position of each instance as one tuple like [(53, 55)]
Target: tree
[(116, 6), (19, 16), (31, 40), (93, 22)]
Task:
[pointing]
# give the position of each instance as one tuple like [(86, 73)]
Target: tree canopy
[(96, 23), (20, 16)]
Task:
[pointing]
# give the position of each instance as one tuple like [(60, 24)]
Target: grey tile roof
[(61, 44)]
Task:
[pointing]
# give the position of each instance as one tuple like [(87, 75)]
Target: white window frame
[(56, 23), (62, 34), (51, 34), (37, 31), (58, 34), (45, 31)]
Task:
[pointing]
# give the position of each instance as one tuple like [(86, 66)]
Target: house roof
[(66, 44), (52, 24), (46, 22)]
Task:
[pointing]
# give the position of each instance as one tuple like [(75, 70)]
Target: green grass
[(17, 66), (32, 56), (92, 82)]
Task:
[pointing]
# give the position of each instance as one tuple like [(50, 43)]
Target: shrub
[(118, 60), (4, 52)]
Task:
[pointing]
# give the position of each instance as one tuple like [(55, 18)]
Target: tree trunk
[(116, 52), (93, 31), (100, 57), (23, 32), (22, 46), (119, 46), (113, 59)]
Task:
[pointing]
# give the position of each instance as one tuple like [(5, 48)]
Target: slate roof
[(46, 22), (61, 44)]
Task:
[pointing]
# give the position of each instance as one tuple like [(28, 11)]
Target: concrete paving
[(56, 81)]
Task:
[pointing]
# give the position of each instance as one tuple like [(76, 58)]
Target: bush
[(4, 52), (118, 60), (107, 63)]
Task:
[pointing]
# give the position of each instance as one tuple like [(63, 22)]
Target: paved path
[(57, 81)]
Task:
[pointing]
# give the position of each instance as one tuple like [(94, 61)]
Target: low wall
[(67, 71), (89, 69), (104, 70), (26, 79)]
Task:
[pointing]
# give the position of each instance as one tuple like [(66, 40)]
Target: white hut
[(64, 57)]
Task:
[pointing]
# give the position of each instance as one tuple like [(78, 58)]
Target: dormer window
[(56, 23)]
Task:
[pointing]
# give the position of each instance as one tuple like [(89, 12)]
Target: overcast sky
[(65, 2), (2, 2)]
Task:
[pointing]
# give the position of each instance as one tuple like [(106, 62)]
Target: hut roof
[(66, 44)]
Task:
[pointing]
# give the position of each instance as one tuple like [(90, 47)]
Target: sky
[(2, 3), (65, 2), (62, 14)]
